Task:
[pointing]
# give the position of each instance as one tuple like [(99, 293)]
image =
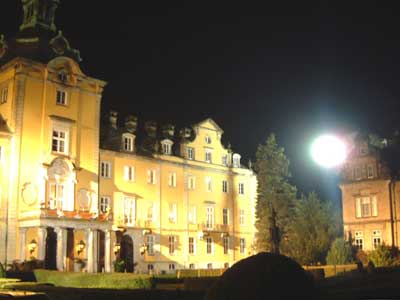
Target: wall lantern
[(146, 232), (80, 247), (143, 249), (32, 246), (117, 248)]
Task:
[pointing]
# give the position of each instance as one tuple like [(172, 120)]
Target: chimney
[(113, 119), (131, 123)]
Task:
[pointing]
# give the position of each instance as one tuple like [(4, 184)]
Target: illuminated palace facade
[(76, 197), (370, 197)]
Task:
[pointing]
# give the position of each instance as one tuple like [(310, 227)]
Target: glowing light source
[(328, 151)]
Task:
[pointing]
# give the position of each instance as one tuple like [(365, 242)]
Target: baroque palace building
[(70, 193), (370, 195)]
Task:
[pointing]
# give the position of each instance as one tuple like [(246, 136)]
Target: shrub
[(119, 265), (362, 257), (317, 274), (382, 256), (263, 276), (2, 271), (340, 253)]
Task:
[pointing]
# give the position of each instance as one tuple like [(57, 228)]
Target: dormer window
[(190, 153), (4, 95), (208, 139), (370, 170), (224, 160), (166, 146), (208, 157), (62, 76), (61, 98), (127, 142), (236, 160)]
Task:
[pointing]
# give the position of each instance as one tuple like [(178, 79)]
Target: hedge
[(95, 280)]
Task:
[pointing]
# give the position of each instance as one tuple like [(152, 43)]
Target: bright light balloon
[(328, 151)]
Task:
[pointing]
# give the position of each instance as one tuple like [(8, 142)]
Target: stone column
[(89, 249), (95, 250), (42, 234), (107, 251), (22, 243), (61, 248)]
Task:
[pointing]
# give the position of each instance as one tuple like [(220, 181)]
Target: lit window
[(190, 153), (150, 244), (129, 173), (166, 148), (376, 238), (151, 176), (172, 179), (192, 245), (56, 195), (104, 204), (210, 246), (225, 216), (226, 244), (59, 142), (236, 160), (191, 182), (224, 186), (61, 98), (4, 95), (105, 169), (208, 184), (208, 139), (358, 240), (171, 244), (241, 188), (127, 142), (192, 214), (208, 156), (129, 210), (241, 217), (370, 171), (172, 214), (242, 245), (209, 217), (225, 160), (366, 207)]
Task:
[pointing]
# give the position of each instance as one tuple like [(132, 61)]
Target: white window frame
[(166, 147), (241, 188), (210, 214), (366, 206), (128, 142), (171, 267), (192, 266), (242, 246), (359, 240), (225, 216), (192, 245), (151, 176), (4, 95), (192, 215), (357, 173), (208, 184), (224, 160), (129, 173), (171, 245), (105, 169), (209, 245), (173, 212), (104, 204), (242, 217), (236, 160), (224, 186), (376, 238), (370, 171), (190, 153), (129, 210), (225, 244), (59, 141), (150, 240), (61, 97), (191, 182), (207, 139), (56, 201), (172, 179), (208, 156)]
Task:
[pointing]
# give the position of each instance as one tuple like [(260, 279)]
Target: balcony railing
[(214, 227)]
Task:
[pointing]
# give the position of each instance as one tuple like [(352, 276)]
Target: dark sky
[(294, 69)]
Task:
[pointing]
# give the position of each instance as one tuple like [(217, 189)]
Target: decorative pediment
[(209, 124)]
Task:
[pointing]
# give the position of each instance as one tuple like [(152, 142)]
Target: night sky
[(296, 68)]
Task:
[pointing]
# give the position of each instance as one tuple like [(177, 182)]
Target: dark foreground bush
[(263, 276), (317, 274), (95, 280), (198, 284)]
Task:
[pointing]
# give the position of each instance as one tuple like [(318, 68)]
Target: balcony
[(205, 227)]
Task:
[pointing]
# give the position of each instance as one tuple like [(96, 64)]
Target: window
[(370, 171), (151, 212), (172, 179), (225, 160), (376, 238), (171, 266), (366, 207), (105, 169), (129, 173), (59, 142), (209, 245), (208, 139), (129, 210), (192, 246), (192, 214), (62, 76), (150, 267), (150, 244), (166, 148), (242, 246), (56, 195), (357, 173), (172, 214), (226, 265), (104, 204), (358, 240), (171, 245), (225, 216), (226, 244), (208, 184), (208, 156), (209, 266), (241, 188), (224, 186), (61, 98), (190, 153), (236, 160), (151, 176), (4, 95), (192, 266), (241, 217), (209, 217), (127, 142), (191, 182)]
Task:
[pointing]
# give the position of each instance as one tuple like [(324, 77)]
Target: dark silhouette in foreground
[(263, 276)]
